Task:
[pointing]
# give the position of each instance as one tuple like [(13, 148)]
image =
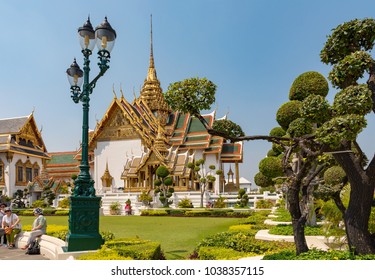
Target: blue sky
[(252, 50)]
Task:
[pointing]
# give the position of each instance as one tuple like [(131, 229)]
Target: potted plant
[(145, 198), (114, 208)]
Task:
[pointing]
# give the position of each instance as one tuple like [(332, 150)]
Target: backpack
[(34, 248)]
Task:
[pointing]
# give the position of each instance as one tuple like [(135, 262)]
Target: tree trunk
[(298, 221), (202, 194), (357, 215)]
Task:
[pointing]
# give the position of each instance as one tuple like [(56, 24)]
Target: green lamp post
[(84, 204)]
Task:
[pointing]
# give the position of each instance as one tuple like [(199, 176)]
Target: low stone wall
[(51, 247)]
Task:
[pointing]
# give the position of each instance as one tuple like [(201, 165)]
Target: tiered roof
[(62, 164), (21, 135)]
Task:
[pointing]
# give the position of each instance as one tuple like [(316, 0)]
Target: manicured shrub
[(175, 212), (244, 227), (277, 131), (199, 213), (264, 203), (185, 203), (315, 254), (261, 180), (288, 112), (288, 230), (107, 235), (136, 249), (25, 213), (154, 213), (219, 253), (243, 242), (307, 84), (103, 254), (334, 175), (62, 212), (271, 167), (64, 203)]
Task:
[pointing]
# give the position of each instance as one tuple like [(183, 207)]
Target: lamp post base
[(84, 224)]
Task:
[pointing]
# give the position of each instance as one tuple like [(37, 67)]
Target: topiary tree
[(164, 185), (271, 167), (308, 83), (288, 112), (262, 181), (203, 176), (243, 199), (333, 130), (347, 50)]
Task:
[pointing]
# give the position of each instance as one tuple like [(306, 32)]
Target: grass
[(178, 235)]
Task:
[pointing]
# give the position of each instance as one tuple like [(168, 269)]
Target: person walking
[(11, 225), (3, 238), (39, 227)]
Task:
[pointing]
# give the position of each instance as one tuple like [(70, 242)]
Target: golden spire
[(106, 178), (151, 76), (151, 92)]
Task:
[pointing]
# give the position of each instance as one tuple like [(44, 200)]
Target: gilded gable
[(116, 127), (28, 133)]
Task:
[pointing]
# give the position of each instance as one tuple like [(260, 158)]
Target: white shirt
[(10, 220)]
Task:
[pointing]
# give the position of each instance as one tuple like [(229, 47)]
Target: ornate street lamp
[(84, 204)]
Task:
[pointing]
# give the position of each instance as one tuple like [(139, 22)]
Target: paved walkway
[(18, 254)]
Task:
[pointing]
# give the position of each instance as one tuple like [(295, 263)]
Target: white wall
[(115, 153), (10, 172)]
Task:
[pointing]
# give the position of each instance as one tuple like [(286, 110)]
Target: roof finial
[(151, 45), (113, 90), (135, 97), (122, 93), (151, 76)]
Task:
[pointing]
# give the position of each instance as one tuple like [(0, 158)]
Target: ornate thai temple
[(127, 146), (22, 153), (134, 138)]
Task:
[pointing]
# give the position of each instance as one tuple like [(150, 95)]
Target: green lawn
[(178, 235)]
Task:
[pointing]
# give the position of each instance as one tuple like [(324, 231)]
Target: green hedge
[(244, 242), (288, 230), (46, 212), (219, 253), (154, 213), (62, 212), (126, 249), (315, 254), (198, 213)]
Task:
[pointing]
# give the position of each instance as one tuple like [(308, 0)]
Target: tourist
[(11, 225), (128, 208), (3, 238), (39, 227)]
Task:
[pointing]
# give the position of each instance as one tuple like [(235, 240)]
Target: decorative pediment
[(114, 126), (29, 132)]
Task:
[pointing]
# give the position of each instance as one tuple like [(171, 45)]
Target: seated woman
[(11, 225), (38, 229)]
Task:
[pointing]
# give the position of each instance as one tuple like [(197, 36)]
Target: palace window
[(36, 170), (26, 172), (29, 174), (19, 174)]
